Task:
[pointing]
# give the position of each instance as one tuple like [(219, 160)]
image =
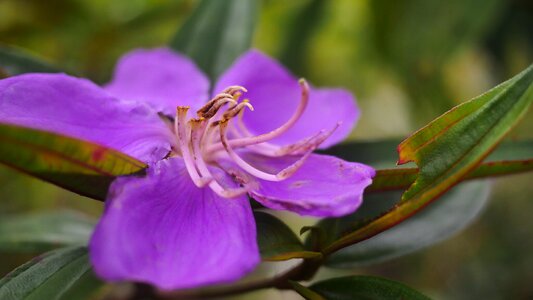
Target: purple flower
[(188, 222)]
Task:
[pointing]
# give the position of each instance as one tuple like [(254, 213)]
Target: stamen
[(247, 141), (227, 192), (308, 144), (282, 175), (183, 132), (197, 130), (216, 107), (210, 133), (300, 147), (233, 89), (195, 141), (232, 112), (211, 108)]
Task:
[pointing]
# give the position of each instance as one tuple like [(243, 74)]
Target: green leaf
[(439, 221), (44, 231), (365, 287), (277, 241), (449, 148), (217, 33), (62, 274), (454, 144), (79, 166), (15, 61)]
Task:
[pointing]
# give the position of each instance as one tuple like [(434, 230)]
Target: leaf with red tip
[(450, 148)]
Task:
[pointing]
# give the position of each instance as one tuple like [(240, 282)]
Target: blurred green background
[(407, 61)]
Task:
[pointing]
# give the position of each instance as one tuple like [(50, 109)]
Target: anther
[(234, 89), (232, 112), (216, 103), (216, 107), (248, 141)]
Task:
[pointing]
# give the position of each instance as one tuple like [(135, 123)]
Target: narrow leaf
[(15, 61), (44, 231), (365, 287), (277, 241), (217, 33), (58, 275), (79, 166), (451, 147), (455, 143)]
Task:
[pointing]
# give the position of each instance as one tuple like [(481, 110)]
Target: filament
[(183, 133), (282, 175)]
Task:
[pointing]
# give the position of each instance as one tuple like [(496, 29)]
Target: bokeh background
[(407, 61)]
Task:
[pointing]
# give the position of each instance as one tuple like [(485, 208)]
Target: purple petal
[(163, 230), (160, 77), (78, 108), (325, 186), (275, 94)]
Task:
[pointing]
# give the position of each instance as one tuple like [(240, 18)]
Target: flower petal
[(325, 186), (160, 77), (78, 108), (275, 94), (162, 229)]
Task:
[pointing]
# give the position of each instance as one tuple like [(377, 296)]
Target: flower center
[(217, 134)]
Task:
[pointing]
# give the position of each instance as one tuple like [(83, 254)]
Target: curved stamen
[(196, 137), (227, 192), (197, 131), (232, 112), (300, 147), (210, 103), (247, 141), (236, 111), (210, 133), (263, 148), (211, 108), (216, 107), (282, 175), (233, 89), (182, 133), (308, 144)]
